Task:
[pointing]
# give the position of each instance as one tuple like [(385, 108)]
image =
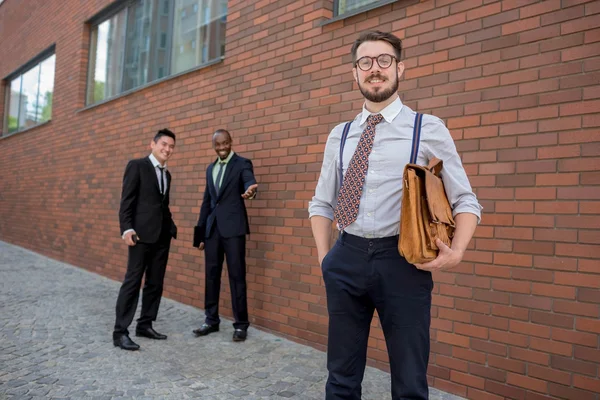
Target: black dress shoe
[(150, 333), (205, 329), (125, 343), (239, 335)]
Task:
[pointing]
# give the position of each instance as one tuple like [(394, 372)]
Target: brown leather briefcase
[(426, 213)]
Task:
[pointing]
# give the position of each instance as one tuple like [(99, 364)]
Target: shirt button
[(371, 190), (368, 214)]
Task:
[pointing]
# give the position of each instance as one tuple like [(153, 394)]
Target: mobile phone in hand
[(135, 238)]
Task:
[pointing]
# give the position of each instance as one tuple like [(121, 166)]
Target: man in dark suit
[(221, 233), (147, 227)]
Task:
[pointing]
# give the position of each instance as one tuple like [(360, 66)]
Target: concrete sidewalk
[(55, 343)]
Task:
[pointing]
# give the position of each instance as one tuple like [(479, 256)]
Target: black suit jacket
[(227, 208), (143, 208)]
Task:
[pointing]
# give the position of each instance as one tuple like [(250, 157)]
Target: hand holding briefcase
[(426, 214)]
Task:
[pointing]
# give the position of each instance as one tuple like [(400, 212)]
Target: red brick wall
[(518, 83)]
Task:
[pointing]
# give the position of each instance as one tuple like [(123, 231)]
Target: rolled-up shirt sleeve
[(439, 143), (325, 199)]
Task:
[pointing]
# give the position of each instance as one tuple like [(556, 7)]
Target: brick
[(541, 303), (581, 24), (501, 18), (587, 354), (526, 382), (501, 67), (561, 70), (520, 102), (539, 8), (487, 372), (527, 49), (568, 364), (466, 27), (560, 96), (558, 207), (532, 275), (507, 391), (520, 25), (551, 319), (565, 392), (563, 15), (582, 382), (530, 356), (497, 41), (548, 290), (556, 235), (576, 53), (548, 375)]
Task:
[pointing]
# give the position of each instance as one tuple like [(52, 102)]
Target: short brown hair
[(375, 36)]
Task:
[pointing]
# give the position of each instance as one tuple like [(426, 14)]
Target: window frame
[(109, 12), (368, 7), (23, 69)]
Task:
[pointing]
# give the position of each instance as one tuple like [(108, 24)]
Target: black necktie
[(218, 181), (161, 183)]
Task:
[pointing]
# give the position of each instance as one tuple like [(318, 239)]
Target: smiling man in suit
[(147, 228), (221, 233)]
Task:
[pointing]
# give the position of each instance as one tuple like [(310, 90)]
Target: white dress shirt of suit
[(380, 204), (163, 186)]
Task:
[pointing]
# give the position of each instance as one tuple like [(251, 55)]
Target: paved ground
[(55, 343)]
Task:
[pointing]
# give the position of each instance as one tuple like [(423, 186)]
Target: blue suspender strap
[(416, 138), (342, 144)]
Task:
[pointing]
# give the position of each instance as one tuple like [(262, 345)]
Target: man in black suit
[(221, 233), (147, 227)]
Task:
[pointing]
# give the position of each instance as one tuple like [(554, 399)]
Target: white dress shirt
[(157, 170), (380, 203)]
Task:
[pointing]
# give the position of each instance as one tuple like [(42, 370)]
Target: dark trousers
[(362, 275), (215, 250), (149, 258)]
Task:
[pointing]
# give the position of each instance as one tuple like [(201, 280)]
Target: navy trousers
[(362, 275)]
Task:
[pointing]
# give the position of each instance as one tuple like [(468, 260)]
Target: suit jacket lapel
[(210, 181), (228, 173), (168, 183)]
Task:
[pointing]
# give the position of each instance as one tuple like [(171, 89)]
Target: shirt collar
[(226, 161), (388, 113), (155, 162)]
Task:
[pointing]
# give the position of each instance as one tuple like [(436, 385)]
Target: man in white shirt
[(364, 271), (147, 228)]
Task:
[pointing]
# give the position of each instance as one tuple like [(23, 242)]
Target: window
[(146, 40), (29, 96), (346, 6)]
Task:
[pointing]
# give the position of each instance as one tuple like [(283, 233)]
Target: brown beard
[(380, 96)]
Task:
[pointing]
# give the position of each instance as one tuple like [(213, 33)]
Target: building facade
[(85, 85)]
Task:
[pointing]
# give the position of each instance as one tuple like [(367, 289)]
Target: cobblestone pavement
[(55, 343)]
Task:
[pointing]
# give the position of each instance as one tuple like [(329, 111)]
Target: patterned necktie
[(350, 193)]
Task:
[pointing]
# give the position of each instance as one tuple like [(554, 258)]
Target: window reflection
[(344, 6), (15, 105), (44, 100), (30, 96), (108, 42), (152, 39), (198, 32)]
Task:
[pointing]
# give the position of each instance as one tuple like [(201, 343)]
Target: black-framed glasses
[(383, 60)]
